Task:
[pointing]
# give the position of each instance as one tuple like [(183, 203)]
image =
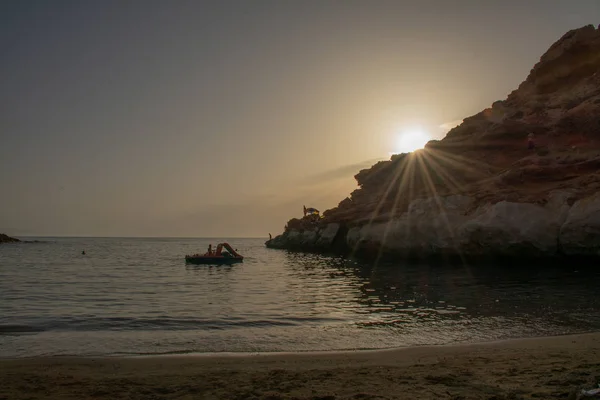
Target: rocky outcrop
[(321, 237), (443, 226), (481, 190), (427, 227), (7, 239)]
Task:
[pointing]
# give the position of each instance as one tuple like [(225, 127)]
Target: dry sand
[(543, 368)]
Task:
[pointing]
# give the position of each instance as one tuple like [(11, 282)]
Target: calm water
[(137, 296)]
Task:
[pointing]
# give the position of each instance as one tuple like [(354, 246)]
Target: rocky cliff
[(7, 239), (481, 191)]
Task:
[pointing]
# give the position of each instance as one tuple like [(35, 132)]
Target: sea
[(137, 296)]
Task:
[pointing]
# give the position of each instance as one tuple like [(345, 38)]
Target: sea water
[(130, 296)]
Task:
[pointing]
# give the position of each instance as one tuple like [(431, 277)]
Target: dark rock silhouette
[(7, 239)]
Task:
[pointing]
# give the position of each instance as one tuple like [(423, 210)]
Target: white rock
[(511, 229), (580, 234), (428, 226)]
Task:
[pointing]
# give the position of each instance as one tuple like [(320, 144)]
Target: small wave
[(161, 323), (18, 329)]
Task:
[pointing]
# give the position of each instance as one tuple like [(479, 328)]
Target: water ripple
[(136, 296)]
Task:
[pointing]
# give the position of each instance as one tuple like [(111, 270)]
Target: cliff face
[(481, 190)]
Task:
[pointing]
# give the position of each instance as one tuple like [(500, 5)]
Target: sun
[(412, 139)]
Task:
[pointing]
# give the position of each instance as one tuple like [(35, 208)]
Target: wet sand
[(555, 367)]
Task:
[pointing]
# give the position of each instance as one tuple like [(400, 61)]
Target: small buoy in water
[(83, 252)]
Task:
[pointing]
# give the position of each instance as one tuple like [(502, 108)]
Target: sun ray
[(407, 171), (466, 163), (417, 165), (399, 170), (443, 214), (446, 176), (411, 187), (454, 240), (432, 188)]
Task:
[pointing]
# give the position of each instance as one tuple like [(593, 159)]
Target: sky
[(223, 118)]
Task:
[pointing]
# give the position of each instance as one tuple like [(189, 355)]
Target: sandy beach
[(554, 367)]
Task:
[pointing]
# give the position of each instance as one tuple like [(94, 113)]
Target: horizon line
[(139, 237)]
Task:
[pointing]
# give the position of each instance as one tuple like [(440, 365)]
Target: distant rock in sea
[(521, 178), (7, 239)]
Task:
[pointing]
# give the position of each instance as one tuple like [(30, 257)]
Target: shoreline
[(242, 354), (376, 254), (370, 256), (547, 367), (332, 353)]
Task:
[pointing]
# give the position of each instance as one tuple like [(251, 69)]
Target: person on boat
[(209, 253), (270, 237)]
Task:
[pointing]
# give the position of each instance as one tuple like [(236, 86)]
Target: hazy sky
[(222, 118)]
